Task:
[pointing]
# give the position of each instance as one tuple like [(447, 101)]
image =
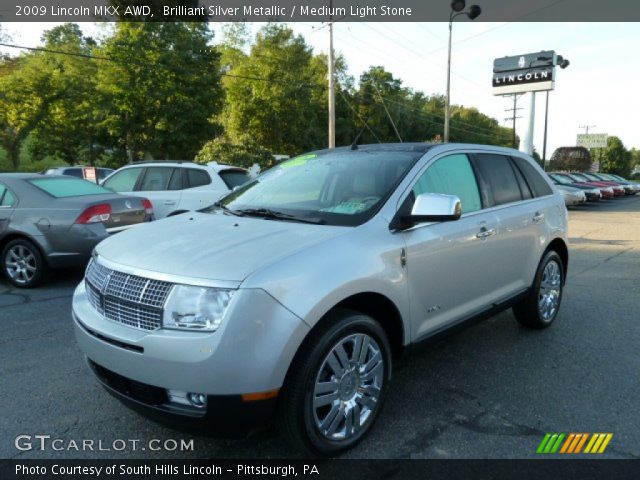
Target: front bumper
[(225, 415), (250, 353)]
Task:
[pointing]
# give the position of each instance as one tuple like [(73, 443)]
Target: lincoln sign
[(533, 72)]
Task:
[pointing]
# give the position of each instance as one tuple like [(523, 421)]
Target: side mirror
[(434, 207)]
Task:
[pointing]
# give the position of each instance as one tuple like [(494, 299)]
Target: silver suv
[(292, 297)]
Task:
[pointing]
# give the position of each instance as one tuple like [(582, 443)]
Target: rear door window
[(452, 175), (176, 182), (6, 197), (197, 178), (156, 179), (234, 178), (538, 185), (124, 180), (500, 178)]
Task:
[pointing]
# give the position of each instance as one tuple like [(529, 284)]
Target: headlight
[(196, 308)]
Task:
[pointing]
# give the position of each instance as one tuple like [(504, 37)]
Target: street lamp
[(457, 8), (563, 63)]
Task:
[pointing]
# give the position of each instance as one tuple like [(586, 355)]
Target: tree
[(383, 102), (29, 85), (71, 132), (276, 94), (161, 88), (614, 158), (571, 158), (244, 154)]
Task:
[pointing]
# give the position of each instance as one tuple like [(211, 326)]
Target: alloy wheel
[(348, 387), (20, 264), (550, 289)]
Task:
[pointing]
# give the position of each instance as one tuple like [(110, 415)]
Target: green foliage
[(71, 133), (161, 89), (157, 90), (417, 117), (614, 158), (571, 158), (286, 113), (29, 85), (243, 154)]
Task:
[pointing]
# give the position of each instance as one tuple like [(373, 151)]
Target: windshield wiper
[(275, 215), (226, 209)]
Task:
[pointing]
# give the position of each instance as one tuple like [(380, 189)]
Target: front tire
[(337, 385), (23, 264), (540, 307)]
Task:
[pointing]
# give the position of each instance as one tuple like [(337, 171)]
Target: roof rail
[(141, 162)]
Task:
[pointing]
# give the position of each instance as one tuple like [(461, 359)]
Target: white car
[(177, 186)]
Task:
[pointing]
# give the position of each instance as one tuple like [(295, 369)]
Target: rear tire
[(337, 385), (540, 307), (23, 264)]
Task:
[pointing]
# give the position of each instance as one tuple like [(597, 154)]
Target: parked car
[(592, 194), (79, 172), (572, 195), (618, 190), (293, 297), (629, 188), (176, 187), (606, 191), (634, 183), (55, 221)]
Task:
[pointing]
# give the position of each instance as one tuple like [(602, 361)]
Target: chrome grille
[(124, 298)]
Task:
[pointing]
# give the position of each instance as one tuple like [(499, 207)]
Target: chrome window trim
[(405, 192)]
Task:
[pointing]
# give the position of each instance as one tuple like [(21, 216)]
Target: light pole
[(562, 63), (457, 8)]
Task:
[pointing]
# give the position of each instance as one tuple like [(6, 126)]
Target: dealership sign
[(592, 140), (532, 72)]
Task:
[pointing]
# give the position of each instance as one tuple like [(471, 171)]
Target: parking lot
[(492, 391)]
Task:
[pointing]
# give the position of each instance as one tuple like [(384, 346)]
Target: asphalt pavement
[(491, 391)]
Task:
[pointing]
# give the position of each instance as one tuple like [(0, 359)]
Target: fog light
[(197, 399)]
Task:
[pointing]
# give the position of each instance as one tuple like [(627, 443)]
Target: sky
[(599, 88)]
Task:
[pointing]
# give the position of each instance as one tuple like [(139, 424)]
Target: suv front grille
[(124, 298)]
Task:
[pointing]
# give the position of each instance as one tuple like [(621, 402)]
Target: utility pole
[(586, 128), (513, 118), (546, 122), (332, 85)]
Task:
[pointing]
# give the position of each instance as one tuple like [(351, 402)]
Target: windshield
[(579, 177), (561, 179), (345, 187)]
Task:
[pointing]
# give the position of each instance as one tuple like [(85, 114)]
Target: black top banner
[(314, 10)]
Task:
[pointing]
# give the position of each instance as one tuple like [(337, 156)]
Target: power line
[(166, 67), (358, 115), (249, 77), (387, 112)]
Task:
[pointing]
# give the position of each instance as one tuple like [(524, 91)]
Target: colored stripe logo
[(574, 443)]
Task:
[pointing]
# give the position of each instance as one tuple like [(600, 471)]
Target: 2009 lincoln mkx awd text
[(292, 297)]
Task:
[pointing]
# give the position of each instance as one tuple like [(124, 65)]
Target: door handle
[(169, 202), (538, 216), (484, 232)]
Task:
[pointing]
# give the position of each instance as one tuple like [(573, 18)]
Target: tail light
[(95, 214), (148, 206)]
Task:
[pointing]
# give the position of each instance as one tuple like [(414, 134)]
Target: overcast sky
[(599, 88)]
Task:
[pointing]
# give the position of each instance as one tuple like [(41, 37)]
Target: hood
[(212, 246)]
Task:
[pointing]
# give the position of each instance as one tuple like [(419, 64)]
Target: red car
[(607, 191), (618, 190)]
